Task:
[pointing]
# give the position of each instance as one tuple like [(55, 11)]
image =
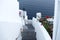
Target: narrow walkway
[(28, 32)]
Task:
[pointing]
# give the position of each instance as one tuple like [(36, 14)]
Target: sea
[(46, 7)]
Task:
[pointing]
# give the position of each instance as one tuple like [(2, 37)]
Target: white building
[(10, 22)]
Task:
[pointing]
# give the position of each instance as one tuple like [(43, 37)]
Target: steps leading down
[(28, 32)]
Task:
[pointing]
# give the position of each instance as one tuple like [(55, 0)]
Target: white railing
[(41, 33)]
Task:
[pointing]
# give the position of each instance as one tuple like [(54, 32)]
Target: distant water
[(46, 7)]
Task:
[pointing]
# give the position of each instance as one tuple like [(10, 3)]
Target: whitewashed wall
[(41, 33), (10, 22), (56, 28)]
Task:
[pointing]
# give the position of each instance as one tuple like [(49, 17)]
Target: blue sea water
[(46, 7)]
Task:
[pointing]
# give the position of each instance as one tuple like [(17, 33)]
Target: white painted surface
[(41, 33), (10, 22), (9, 9), (55, 23), (50, 19), (9, 31), (38, 15), (56, 30)]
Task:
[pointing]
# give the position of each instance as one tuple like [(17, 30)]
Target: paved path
[(28, 32)]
